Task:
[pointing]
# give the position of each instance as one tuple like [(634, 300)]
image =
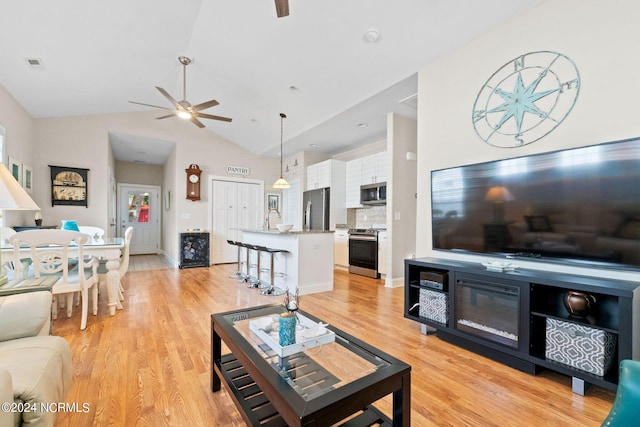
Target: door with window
[(139, 207)]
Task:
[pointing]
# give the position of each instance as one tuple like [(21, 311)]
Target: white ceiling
[(97, 56)]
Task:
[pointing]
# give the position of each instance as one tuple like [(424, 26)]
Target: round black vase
[(579, 304)]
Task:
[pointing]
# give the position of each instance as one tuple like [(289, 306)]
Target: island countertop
[(288, 232), (307, 262)]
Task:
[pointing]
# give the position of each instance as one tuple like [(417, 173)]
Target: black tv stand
[(531, 303)]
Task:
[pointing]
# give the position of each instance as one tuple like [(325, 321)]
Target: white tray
[(272, 339)]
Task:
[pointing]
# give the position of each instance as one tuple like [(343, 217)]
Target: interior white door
[(236, 206), (139, 207)]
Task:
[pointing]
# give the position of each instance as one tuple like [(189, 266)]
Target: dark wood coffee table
[(319, 386)]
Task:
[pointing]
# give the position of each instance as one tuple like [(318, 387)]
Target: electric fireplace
[(488, 310)]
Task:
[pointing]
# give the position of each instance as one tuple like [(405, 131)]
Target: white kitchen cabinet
[(353, 183), (319, 174), (341, 250), (330, 173), (382, 252), (374, 168)]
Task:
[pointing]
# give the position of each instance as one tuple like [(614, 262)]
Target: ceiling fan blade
[(170, 98), (282, 8), (205, 105), (164, 117), (149, 105), (196, 121), (209, 116)]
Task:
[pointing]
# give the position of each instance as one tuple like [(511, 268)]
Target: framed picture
[(69, 186), (273, 201), (167, 200), (27, 178), (15, 167)]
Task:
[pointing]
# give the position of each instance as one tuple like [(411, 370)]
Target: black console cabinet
[(527, 307), (194, 249)]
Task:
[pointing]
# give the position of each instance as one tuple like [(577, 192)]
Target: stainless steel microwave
[(373, 194)]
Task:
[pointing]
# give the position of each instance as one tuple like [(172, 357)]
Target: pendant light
[(281, 182)]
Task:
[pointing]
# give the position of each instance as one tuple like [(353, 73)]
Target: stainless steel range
[(363, 252)]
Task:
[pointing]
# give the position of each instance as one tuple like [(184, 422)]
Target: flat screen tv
[(579, 206)]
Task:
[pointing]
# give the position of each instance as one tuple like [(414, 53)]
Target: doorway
[(139, 207), (236, 205)]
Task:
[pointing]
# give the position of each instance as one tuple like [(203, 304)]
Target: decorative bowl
[(283, 228)]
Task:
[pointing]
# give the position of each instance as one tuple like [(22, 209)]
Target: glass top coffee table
[(320, 385)]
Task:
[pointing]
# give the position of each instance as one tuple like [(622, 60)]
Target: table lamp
[(498, 195), (12, 198)]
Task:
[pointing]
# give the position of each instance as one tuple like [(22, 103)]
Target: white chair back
[(49, 250), (96, 233), (5, 234)]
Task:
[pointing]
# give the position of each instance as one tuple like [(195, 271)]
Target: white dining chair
[(49, 250), (96, 233)]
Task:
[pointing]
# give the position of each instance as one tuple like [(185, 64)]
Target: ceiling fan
[(282, 8), (184, 109)]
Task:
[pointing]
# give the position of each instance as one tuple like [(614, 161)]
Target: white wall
[(401, 190), (600, 37)]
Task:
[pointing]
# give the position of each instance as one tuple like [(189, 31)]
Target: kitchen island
[(308, 266)]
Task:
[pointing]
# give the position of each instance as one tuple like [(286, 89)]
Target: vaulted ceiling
[(319, 65)]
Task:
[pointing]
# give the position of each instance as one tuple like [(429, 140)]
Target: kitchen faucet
[(267, 222)]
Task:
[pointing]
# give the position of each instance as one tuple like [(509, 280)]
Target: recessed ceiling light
[(313, 145), (363, 125), (293, 88), (371, 35)]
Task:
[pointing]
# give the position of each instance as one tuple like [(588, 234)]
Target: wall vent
[(35, 63)]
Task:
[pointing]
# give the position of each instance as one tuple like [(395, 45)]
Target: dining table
[(106, 248)]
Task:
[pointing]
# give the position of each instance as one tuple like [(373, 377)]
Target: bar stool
[(257, 283), (272, 290), (246, 277), (238, 274)]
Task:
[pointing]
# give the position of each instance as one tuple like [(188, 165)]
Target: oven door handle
[(363, 238)]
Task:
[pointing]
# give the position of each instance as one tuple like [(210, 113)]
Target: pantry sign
[(237, 170)]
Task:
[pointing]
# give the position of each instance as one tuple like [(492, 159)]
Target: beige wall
[(599, 38), (82, 141), (139, 173), (19, 143)]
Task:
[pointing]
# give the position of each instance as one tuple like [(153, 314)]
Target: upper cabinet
[(374, 168), (321, 175), (354, 181), (371, 169)]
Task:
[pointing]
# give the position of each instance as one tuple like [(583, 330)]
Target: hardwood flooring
[(149, 365)]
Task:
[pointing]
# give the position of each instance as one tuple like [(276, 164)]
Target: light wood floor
[(149, 365)]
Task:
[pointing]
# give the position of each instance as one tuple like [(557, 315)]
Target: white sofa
[(34, 365)]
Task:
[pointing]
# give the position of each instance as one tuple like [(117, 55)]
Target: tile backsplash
[(365, 217)]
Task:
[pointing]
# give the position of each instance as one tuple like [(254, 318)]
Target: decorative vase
[(579, 304), (287, 331)]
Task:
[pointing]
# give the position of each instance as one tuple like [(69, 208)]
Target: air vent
[(411, 101), (35, 63)]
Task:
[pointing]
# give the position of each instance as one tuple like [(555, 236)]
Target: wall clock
[(193, 182), (525, 99)]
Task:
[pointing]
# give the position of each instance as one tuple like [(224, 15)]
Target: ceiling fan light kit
[(184, 109), (281, 182)]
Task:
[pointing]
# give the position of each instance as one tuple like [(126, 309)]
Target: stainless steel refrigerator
[(316, 209)]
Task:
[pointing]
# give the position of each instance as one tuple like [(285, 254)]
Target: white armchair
[(35, 367)]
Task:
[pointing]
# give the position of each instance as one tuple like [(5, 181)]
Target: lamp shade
[(498, 194), (12, 195)]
